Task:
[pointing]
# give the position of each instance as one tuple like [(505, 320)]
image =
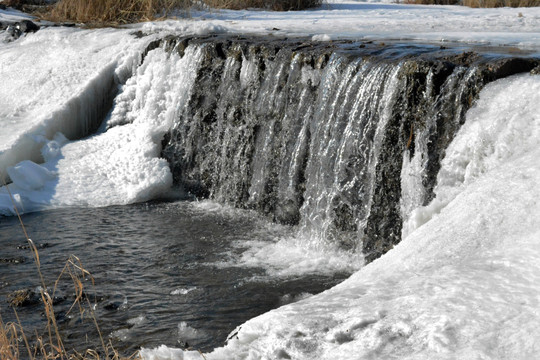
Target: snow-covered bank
[(359, 20), (120, 164), (59, 80), (462, 285)]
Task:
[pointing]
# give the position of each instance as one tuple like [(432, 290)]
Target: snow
[(119, 165), (11, 15), (462, 285), (54, 81), (357, 20)]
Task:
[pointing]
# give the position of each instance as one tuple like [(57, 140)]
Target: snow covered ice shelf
[(385, 20), (120, 164), (59, 80), (465, 284)]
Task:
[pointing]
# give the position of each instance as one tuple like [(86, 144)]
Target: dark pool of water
[(153, 266)]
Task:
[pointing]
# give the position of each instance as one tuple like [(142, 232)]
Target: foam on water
[(464, 284), (292, 256)]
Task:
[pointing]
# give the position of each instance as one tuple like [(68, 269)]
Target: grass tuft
[(113, 11), (276, 5), (478, 3)]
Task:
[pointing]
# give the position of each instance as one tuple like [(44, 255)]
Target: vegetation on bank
[(16, 345), (112, 11), (478, 3), (128, 11)]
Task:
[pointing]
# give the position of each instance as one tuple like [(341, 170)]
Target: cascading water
[(343, 146)]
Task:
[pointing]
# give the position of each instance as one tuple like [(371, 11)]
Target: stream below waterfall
[(164, 272)]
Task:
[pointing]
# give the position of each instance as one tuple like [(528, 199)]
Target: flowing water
[(164, 272)]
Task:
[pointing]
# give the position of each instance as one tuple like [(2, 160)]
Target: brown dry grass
[(112, 11), (276, 5), (106, 12), (433, 2), (500, 3), (478, 3)]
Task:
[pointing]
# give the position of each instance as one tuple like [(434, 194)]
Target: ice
[(498, 128), (119, 165), (465, 284), (11, 15), (183, 291), (59, 80), (359, 20)]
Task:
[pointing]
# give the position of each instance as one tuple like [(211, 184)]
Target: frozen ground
[(462, 284), (377, 20)]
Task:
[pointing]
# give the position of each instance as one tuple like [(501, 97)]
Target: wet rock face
[(317, 136), (16, 30)]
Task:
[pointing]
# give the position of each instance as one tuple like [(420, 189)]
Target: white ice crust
[(358, 20)]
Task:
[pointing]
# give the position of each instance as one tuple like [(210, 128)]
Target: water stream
[(165, 272)]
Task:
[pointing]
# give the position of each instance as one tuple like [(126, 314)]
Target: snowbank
[(359, 20), (59, 80), (121, 164)]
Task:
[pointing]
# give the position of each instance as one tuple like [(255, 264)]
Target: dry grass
[(433, 2), (14, 343), (106, 12), (276, 5), (112, 11), (500, 3), (478, 3)]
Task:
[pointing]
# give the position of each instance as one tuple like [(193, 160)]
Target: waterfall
[(343, 144)]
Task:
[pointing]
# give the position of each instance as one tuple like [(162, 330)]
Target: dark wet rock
[(15, 260), (112, 306), (251, 142), (27, 26), (16, 30), (23, 298), (27, 247), (3, 7)]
